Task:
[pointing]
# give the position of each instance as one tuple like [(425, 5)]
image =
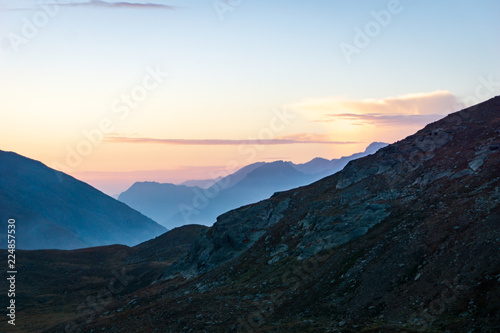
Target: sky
[(114, 92)]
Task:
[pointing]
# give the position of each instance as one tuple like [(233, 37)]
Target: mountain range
[(53, 210), (175, 205), (404, 240)]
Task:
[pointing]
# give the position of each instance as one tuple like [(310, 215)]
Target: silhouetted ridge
[(55, 210)]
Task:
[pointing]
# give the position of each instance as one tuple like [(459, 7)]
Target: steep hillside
[(406, 239), (54, 210), (169, 246)]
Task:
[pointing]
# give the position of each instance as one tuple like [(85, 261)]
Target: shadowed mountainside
[(77, 283), (55, 210), (403, 240)]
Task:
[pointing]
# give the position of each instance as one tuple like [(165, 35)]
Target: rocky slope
[(55, 210), (344, 207), (406, 239)]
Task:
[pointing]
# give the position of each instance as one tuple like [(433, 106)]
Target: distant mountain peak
[(376, 146), (202, 201)]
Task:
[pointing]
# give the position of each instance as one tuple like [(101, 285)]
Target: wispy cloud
[(301, 138), (384, 119), (410, 109), (99, 3)]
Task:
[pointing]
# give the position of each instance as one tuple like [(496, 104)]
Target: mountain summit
[(173, 205)]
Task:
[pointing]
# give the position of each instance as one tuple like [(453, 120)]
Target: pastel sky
[(114, 92)]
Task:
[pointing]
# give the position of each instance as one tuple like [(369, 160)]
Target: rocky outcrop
[(405, 240), (234, 233), (345, 206)]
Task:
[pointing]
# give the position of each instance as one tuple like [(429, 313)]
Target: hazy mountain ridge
[(55, 210), (326, 167), (386, 243), (346, 205), (173, 205), (228, 181)]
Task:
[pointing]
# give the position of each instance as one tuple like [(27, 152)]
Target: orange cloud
[(301, 138), (385, 119), (410, 109)]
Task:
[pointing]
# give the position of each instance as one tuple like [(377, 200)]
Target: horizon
[(156, 176), (170, 91)]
